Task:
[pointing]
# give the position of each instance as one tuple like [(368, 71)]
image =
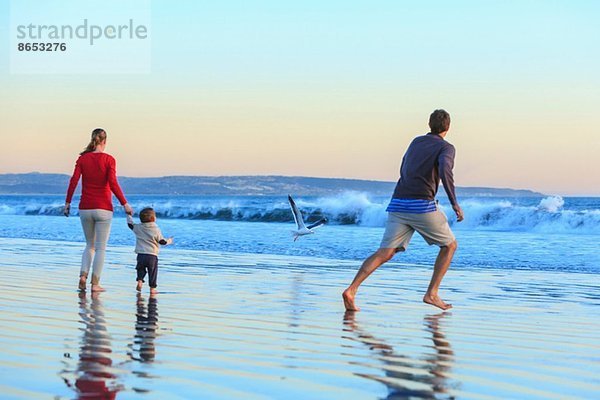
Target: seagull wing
[(317, 224), (297, 214)]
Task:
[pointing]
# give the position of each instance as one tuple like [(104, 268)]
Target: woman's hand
[(67, 209), (128, 209)]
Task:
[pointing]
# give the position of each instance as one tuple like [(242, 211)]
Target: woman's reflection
[(406, 378), (95, 375), (143, 349)]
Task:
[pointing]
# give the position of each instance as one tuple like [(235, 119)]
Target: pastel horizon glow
[(330, 90)]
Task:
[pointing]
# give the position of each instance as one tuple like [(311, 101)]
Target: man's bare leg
[(442, 263), (373, 262)]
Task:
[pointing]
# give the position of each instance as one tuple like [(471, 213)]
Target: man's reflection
[(143, 349), (406, 378), (95, 377)]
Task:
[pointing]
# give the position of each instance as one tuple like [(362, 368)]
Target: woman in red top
[(98, 170)]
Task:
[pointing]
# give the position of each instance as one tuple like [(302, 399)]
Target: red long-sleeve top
[(99, 180)]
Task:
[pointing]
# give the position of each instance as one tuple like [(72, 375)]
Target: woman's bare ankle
[(98, 288), (82, 282)]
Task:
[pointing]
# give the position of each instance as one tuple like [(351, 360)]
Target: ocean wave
[(548, 215), (347, 209), (29, 208)]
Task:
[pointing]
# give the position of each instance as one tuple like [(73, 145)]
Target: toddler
[(148, 237)]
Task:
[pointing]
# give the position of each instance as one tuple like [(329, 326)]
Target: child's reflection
[(429, 372), (143, 349)]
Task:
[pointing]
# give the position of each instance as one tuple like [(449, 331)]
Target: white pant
[(96, 228)]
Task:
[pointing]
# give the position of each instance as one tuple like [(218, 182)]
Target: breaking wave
[(548, 215)]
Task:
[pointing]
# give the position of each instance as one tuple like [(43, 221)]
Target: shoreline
[(268, 326)]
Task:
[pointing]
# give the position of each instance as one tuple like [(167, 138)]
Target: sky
[(328, 89)]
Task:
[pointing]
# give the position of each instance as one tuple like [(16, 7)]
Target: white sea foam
[(551, 204), (353, 208)]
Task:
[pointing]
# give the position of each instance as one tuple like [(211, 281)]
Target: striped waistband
[(412, 206)]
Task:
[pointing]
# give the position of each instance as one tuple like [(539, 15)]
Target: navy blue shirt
[(428, 159)]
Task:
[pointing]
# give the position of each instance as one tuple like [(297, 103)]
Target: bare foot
[(436, 301), (139, 286), (348, 297), (153, 291), (98, 288), (82, 282)]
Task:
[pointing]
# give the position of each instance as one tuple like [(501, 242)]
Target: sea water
[(255, 315), (551, 233)]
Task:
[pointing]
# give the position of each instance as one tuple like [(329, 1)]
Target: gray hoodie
[(148, 237)]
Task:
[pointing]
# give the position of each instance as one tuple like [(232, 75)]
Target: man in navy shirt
[(413, 207)]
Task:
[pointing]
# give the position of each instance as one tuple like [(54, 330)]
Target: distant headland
[(270, 185)]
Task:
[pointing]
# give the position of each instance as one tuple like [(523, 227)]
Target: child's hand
[(170, 240), (130, 223)]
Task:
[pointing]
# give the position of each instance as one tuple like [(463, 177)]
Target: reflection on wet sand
[(425, 377), (296, 300), (143, 349), (94, 375)]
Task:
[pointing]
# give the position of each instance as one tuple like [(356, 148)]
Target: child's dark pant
[(147, 263)]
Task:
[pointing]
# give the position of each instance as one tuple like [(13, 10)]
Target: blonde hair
[(98, 136)]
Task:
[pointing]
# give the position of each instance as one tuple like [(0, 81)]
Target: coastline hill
[(42, 183)]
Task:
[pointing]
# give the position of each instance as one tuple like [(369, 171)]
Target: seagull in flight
[(302, 229)]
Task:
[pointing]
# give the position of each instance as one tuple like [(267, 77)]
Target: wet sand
[(257, 326)]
